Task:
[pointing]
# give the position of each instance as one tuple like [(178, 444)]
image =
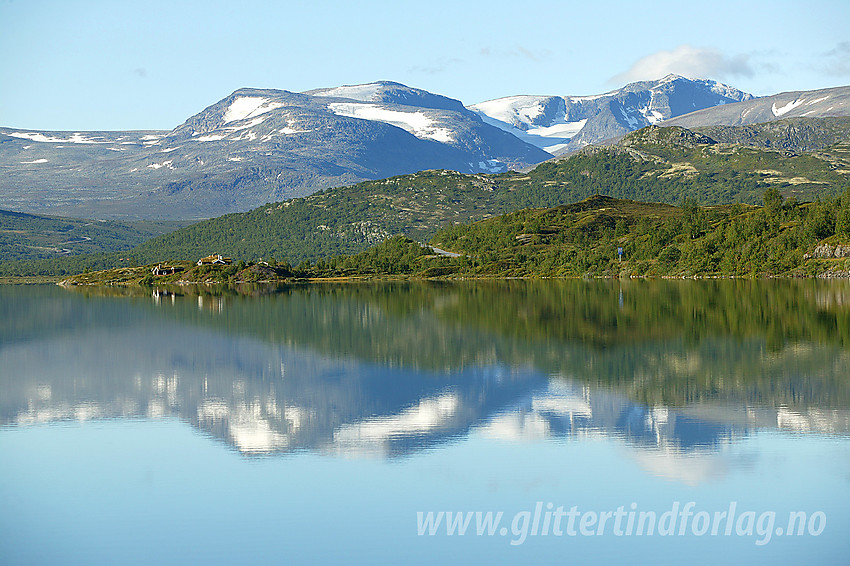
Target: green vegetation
[(664, 165), (782, 238), (657, 240), (27, 236)]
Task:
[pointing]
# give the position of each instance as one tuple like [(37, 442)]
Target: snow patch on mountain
[(248, 107), (548, 138), (652, 116), (166, 164), (288, 131), (525, 117), (632, 121), (251, 124), (786, 108), (34, 161), (590, 98), (246, 136), (417, 123), (363, 93), (515, 110), (43, 138), (558, 129), (492, 166)]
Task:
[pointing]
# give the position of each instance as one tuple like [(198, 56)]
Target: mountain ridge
[(657, 164), (825, 102), (265, 145), (253, 146), (562, 124)]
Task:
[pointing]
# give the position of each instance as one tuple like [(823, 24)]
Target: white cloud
[(692, 62)]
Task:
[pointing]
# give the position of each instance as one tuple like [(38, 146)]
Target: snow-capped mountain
[(261, 145), (560, 124), (271, 115), (252, 147)]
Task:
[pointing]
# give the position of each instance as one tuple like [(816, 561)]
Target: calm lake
[(551, 422)]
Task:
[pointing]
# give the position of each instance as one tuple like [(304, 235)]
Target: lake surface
[(585, 422)]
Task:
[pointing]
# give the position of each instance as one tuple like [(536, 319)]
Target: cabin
[(215, 259), (161, 270)]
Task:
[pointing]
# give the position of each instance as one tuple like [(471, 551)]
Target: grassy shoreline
[(370, 278), (32, 280)]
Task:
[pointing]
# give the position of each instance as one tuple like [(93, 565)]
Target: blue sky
[(108, 65)]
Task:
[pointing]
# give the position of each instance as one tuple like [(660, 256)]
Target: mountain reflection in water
[(673, 370)]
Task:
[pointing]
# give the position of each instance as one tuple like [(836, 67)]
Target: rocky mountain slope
[(561, 124), (798, 104), (253, 147), (793, 134)]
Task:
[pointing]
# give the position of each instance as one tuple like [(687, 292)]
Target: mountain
[(656, 164), (561, 124), (827, 102), (252, 147), (259, 145)]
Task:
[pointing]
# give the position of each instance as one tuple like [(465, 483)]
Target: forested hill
[(28, 236), (597, 237)]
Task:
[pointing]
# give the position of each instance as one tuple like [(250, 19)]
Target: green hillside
[(597, 237), (657, 239), (28, 236)]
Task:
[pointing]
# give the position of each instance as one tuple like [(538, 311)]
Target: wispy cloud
[(516, 52), (688, 61), (441, 65), (838, 60)]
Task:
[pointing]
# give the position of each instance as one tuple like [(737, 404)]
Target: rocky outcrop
[(828, 251), (666, 136)]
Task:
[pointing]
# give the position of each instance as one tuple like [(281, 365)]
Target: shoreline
[(413, 278)]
